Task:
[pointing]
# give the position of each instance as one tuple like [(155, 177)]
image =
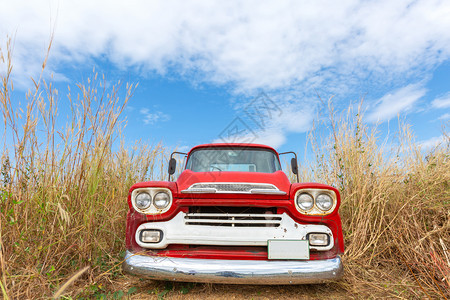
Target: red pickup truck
[(233, 216)]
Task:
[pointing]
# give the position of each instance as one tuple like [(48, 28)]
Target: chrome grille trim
[(234, 187), (217, 219)]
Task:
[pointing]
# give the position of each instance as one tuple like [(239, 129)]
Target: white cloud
[(432, 142), (154, 117), (444, 117), (288, 48), (183, 148), (254, 44), (266, 123), (442, 102), (130, 108), (396, 102), (272, 137)]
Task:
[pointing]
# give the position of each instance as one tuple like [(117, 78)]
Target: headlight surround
[(143, 200), (305, 201), (151, 200), (324, 201), (161, 200)]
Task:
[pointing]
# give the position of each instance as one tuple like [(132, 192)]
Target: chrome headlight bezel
[(322, 200), (316, 210), (152, 209), (156, 200), (140, 198), (310, 236), (301, 205)]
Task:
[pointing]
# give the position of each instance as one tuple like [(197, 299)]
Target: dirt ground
[(150, 289)]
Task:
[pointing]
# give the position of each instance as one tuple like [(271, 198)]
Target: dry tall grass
[(63, 188), (395, 209), (63, 196)]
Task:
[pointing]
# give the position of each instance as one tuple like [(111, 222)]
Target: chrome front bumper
[(233, 271)]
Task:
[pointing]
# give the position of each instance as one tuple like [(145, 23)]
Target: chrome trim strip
[(233, 271), (225, 215), (213, 191), (224, 218), (220, 221), (270, 190), (198, 191)]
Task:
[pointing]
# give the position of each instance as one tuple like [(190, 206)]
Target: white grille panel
[(176, 231)]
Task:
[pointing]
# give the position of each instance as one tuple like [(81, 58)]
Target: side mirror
[(294, 166), (172, 166)]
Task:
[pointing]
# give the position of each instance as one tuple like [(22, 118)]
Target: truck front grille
[(233, 217)]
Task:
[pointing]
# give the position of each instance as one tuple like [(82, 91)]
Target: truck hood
[(189, 179)]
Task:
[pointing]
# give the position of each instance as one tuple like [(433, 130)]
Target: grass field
[(63, 202)]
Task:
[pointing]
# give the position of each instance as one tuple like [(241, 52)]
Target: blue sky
[(200, 65)]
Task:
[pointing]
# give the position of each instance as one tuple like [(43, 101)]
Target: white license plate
[(288, 249)]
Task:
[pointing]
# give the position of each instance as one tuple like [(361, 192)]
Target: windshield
[(233, 159)]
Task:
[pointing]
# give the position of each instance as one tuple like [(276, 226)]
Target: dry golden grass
[(63, 188), (63, 202), (395, 208)]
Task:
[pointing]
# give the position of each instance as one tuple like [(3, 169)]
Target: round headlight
[(305, 201), (143, 200), (161, 200), (324, 202)]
